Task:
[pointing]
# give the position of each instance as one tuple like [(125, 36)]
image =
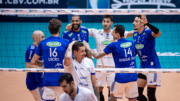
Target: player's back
[(76, 36), (145, 45), (124, 57), (53, 50), (32, 79)]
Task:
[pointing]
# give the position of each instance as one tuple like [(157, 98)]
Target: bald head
[(38, 36)]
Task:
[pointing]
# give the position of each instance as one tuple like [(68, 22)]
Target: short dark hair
[(120, 29), (139, 16), (66, 76), (108, 16), (76, 16), (76, 46), (54, 25)]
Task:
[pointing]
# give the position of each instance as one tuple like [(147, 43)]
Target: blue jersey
[(123, 52), (76, 36), (33, 80), (53, 50), (145, 46)]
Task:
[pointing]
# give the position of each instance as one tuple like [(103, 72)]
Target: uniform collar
[(122, 39)]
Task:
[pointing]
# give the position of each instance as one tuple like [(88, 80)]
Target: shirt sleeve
[(39, 49), (91, 97), (125, 34), (62, 97), (29, 55), (109, 48), (91, 32), (64, 36), (92, 68), (149, 32)]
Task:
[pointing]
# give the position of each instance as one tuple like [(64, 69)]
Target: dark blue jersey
[(145, 46), (33, 80), (76, 36), (53, 50), (123, 52)]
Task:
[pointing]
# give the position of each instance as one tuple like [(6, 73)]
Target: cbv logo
[(116, 4)]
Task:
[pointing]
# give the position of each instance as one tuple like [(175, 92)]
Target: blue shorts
[(34, 80)]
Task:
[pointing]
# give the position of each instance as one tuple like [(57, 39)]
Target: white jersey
[(102, 40), (83, 94), (81, 72)]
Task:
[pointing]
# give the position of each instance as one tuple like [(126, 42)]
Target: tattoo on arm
[(96, 91), (39, 62), (97, 55)]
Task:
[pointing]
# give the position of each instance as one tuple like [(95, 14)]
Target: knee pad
[(151, 94), (142, 98), (101, 96)]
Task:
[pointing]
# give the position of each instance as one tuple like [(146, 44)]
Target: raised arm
[(68, 54), (156, 32), (94, 54)]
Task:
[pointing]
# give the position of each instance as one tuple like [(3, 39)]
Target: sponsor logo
[(150, 82), (107, 42), (144, 33), (70, 34), (83, 77), (88, 69), (53, 44), (139, 46), (132, 63), (110, 71), (119, 3), (135, 34), (84, 31), (125, 45), (166, 72), (83, 84), (58, 64)]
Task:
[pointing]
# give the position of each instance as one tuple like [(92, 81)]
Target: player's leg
[(49, 93), (37, 94), (141, 81), (58, 91), (101, 80), (117, 90), (153, 79), (131, 91), (110, 79)]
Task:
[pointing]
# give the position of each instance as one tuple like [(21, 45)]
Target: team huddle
[(71, 52)]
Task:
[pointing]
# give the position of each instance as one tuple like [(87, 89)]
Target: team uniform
[(145, 46), (83, 94), (102, 40), (123, 52), (53, 50), (82, 72), (80, 36), (34, 80)]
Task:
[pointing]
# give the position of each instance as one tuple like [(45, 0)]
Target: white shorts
[(102, 78), (153, 78), (37, 93), (50, 92), (130, 89)]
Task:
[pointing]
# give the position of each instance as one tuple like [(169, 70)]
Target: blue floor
[(16, 37)]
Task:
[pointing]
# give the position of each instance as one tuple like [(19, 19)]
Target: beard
[(78, 26), (71, 91), (106, 28)]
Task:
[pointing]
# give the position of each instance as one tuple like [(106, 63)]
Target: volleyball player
[(123, 52), (34, 80), (81, 67), (144, 40), (73, 92), (53, 50)]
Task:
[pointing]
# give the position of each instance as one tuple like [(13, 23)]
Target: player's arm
[(90, 96), (35, 60), (68, 54), (94, 54), (129, 34), (156, 32), (28, 65), (95, 86)]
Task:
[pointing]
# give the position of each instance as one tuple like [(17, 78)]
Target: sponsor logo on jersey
[(88, 69), (70, 34), (83, 77), (53, 44), (139, 46), (84, 31), (125, 45), (58, 64), (106, 42), (135, 34), (144, 33)]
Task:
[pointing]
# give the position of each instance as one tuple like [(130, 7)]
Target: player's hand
[(72, 43), (68, 27), (86, 45), (143, 19)]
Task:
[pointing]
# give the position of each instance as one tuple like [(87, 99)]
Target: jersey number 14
[(127, 52)]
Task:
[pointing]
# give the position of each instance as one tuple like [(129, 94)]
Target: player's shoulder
[(83, 27), (31, 47), (87, 60), (84, 90), (63, 96), (65, 32)]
